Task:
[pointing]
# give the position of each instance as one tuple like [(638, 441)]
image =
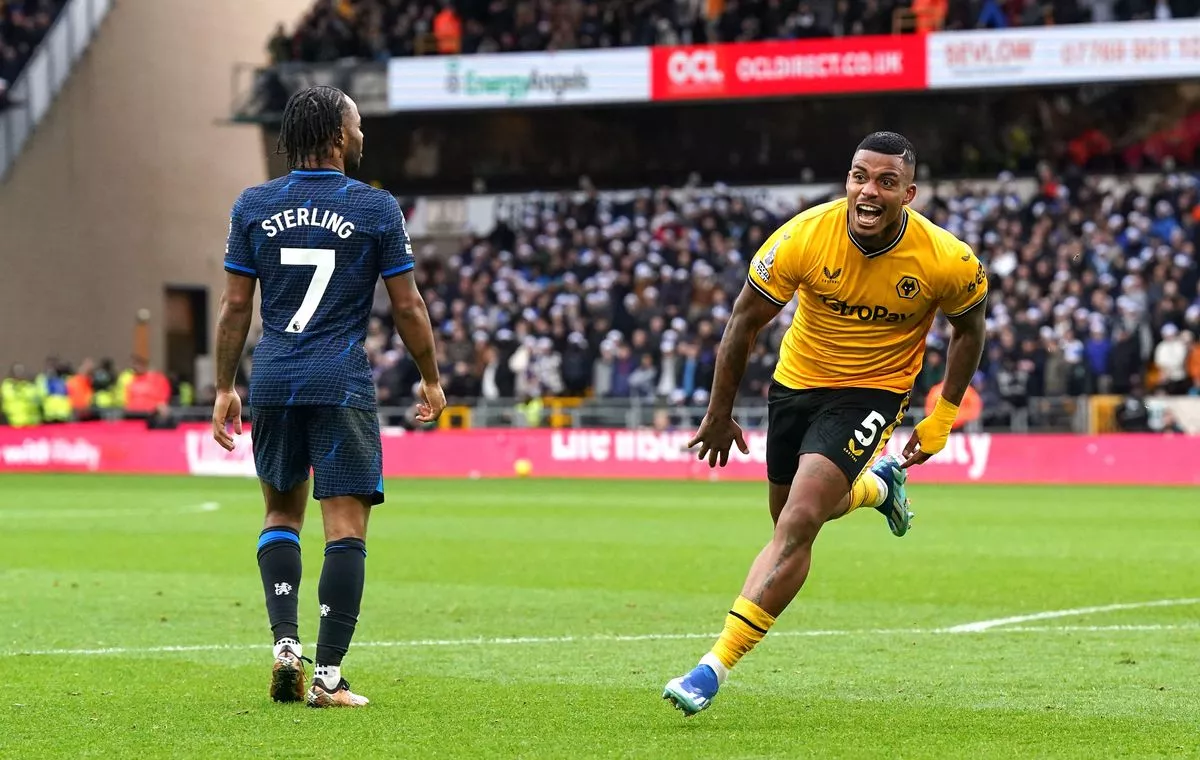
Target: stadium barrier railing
[(1066, 414), (1092, 414), (45, 74)]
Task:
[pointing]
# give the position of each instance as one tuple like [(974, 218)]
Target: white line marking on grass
[(984, 625), (520, 640), (34, 514), (1092, 628)]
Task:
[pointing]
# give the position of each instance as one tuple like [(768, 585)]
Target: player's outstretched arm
[(233, 324), (718, 431), (412, 322), (967, 335)]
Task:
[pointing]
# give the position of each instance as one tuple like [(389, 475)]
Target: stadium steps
[(45, 74)]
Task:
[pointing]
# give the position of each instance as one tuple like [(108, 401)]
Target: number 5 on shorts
[(324, 259), (873, 423)]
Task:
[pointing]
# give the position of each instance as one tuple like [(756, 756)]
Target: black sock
[(279, 565), (340, 594)]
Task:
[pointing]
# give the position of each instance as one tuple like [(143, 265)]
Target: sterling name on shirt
[(308, 217)]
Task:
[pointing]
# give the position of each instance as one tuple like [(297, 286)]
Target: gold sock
[(867, 491), (745, 626)]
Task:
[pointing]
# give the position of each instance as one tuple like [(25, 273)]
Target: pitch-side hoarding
[(128, 447)]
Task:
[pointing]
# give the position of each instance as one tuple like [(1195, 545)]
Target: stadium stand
[(623, 297), (378, 29), (609, 297), (1095, 290), (23, 23), (588, 296)]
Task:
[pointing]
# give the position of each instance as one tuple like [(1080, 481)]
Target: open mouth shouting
[(868, 215)]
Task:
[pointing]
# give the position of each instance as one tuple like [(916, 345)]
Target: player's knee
[(778, 497), (800, 519)]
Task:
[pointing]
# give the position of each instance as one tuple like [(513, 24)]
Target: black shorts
[(848, 425), (340, 444)]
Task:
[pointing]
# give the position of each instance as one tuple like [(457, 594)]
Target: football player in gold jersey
[(869, 273)]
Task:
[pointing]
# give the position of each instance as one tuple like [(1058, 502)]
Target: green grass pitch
[(538, 618)]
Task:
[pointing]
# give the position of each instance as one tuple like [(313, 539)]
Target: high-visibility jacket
[(52, 391), (20, 401), (119, 387), (79, 390)]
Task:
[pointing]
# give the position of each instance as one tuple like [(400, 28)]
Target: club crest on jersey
[(908, 287)]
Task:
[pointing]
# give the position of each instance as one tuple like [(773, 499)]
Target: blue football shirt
[(318, 242)]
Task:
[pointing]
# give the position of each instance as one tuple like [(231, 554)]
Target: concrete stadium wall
[(127, 184)]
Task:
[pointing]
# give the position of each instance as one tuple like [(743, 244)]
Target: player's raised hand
[(433, 401), (715, 437), (912, 452), (228, 408)]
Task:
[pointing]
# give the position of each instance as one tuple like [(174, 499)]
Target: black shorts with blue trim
[(341, 445)]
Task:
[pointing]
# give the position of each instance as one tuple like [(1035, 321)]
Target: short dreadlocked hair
[(890, 144), (312, 121)]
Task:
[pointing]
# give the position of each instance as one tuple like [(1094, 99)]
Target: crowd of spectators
[(63, 392), (379, 29), (23, 23), (1094, 290)]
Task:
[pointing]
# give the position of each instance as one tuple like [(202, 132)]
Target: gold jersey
[(862, 317)]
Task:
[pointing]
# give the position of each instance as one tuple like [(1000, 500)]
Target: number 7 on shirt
[(324, 259)]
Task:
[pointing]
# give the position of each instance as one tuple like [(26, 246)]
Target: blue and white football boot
[(895, 505), (695, 691)]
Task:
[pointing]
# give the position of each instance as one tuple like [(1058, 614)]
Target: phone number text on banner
[(1129, 51)]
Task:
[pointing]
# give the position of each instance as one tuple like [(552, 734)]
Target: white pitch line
[(34, 514), (984, 625), (1091, 628), (519, 640), (469, 642)]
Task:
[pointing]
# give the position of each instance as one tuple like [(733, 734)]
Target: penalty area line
[(598, 638)]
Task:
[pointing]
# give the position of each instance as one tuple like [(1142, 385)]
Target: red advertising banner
[(792, 67), (127, 447)]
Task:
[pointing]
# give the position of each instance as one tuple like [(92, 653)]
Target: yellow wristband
[(934, 430)]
